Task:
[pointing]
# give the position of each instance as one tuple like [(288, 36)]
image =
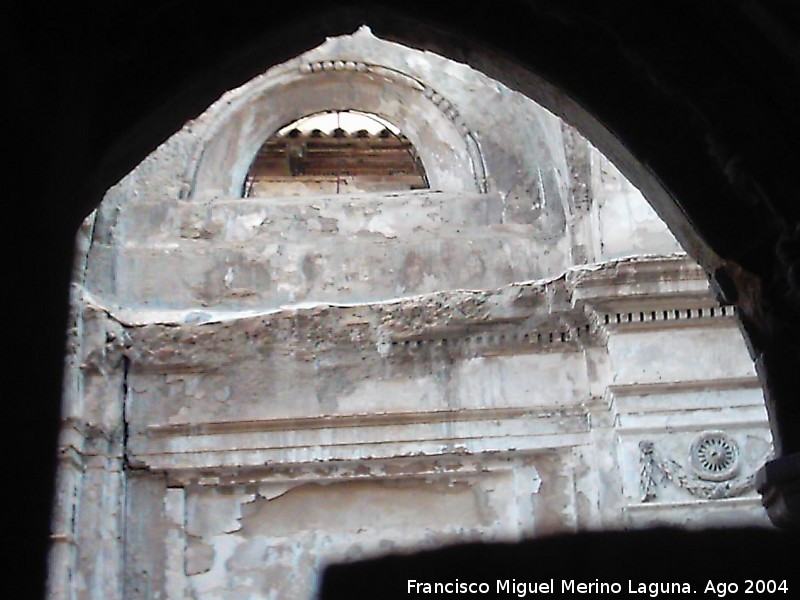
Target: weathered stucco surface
[(258, 386)]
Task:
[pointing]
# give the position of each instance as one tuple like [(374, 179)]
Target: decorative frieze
[(714, 458), (676, 315)]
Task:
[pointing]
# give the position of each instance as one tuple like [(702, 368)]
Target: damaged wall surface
[(258, 386)]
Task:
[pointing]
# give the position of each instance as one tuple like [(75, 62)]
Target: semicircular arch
[(446, 147)]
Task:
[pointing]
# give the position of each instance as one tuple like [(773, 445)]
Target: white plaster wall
[(259, 253), (281, 542), (679, 355), (625, 223), (146, 249), (232, 445)]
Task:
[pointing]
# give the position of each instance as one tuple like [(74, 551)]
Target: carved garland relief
[(715, 462)]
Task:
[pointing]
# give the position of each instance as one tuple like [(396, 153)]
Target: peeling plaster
[(259, 386)]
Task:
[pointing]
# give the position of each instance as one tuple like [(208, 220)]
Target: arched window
[(335, 152)]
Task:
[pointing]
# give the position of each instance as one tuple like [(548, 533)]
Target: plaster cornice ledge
[(363, 420), (638, 278), (700, 385)]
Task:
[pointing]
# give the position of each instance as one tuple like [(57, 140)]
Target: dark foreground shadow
[(752, 563)]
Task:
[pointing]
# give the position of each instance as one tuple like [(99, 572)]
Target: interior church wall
[(470, 347), (263, 253), (626, 223), (513, 142)]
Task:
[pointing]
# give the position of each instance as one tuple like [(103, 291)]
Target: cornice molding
[(294, 424), (667, 387)]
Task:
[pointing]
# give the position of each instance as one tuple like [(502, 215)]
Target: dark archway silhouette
[(702, 95)]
